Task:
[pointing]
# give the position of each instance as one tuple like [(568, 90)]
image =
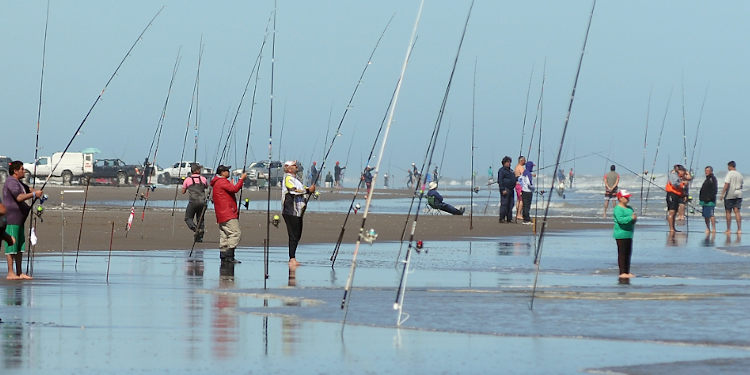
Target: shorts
[(673, 201), (729, 204), (611, 194), (17, 231), (708, 211), (518, 191)]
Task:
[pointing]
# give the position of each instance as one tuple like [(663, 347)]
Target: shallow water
[(468, 306)]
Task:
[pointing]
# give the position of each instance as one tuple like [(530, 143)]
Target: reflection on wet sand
[(194, 277), (225, 321), (291, 326), (710, 240), (513, 248), (14, 344)]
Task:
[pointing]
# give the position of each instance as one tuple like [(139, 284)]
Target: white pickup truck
[(69, 166), (177, 172)]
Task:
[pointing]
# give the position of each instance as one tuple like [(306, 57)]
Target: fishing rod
[(281, 133), (538, 250), (346, 110), (32, 221), (159, 128), (267, 245), (196, 94), (445, 148), (539, 160), (568, 160), (399, 302), (697, 129), (526, 110), (193, 104), (645, 144), (98, 98), (658, 145), (538, 104), (83, 212), (684, 142), (336, 247), (371, 235), (473, 113), (250, 120)]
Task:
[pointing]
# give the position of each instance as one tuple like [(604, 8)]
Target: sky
[(694, 50)]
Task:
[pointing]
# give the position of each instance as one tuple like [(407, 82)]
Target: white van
[(70, 166)]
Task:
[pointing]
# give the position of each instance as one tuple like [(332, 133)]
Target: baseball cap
[(223, 168), (290, 162), (623, 193)]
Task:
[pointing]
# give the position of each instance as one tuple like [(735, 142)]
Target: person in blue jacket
[(436, 201), (506, 180)]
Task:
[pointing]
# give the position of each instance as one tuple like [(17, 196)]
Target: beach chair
[(431, 208)]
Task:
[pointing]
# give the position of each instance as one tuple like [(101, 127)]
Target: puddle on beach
[(467, 303)]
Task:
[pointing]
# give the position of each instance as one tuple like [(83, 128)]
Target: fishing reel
[(246, 203), (369, 236), (475, 189), (43, 198), (39, 212), (419, 247), (356, 208), (316, 195), (151, 187), (275, 221)]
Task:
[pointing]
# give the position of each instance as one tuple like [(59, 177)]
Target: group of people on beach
[(677, 188), (294, 196), (518, 185)]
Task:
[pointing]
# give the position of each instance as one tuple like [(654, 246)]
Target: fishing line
[(538, 106), (658, 145), (267, 244), (538, 250), (645, 144), (473, 113), (526, 110)]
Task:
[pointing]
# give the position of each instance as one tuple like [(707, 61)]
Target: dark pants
[(624, 251), (449, 209), (506, 205), (193, 215), (526, 197), (294, 229)]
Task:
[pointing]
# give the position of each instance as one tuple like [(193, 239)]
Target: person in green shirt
[(624, 217)]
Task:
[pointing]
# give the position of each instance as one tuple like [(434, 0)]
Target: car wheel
[(122, 178), (161, 180), (85, 180), (3, 176), (167, 178), (67, 177)]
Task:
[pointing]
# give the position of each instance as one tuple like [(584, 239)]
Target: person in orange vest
[(677, 181)]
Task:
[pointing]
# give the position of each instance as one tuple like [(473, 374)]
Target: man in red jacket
[(225, 206)]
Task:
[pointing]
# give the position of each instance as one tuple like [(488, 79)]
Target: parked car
[(259, 171), (69, 166), (112, 170), (4, 165), (177, 172)]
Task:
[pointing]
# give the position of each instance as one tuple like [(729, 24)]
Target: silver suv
[(259, 171)]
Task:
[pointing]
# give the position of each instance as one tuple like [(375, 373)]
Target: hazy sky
[(321, 48)]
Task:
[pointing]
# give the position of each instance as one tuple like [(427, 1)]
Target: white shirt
[(735, 181)]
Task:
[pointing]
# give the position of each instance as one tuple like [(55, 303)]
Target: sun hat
[(623, 193), (432, 185)]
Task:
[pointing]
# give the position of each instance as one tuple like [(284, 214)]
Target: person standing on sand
[(195, 185), (707, 199), (507, 184), (676, 184), (517, 172), (570, 177), (527, 190), (611, 181), (15, 195), (625, 218), (293, 195), (225, 206), (338, 174), (732, 195), (367, 178)]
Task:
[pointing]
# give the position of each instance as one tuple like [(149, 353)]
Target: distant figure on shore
[(367, 178), (707, 199), (527, 190), (435, 174), (625, 218), (293, 204), (570, 177), (507, 183), (227, 212), (338, 174), (410, 180), (517, 172), (490, 176), (435, 200), (314, 173), (385, 180), (15, 195), (676, 193), (195, 185), (611, 182), (416, 173), (732, 195), (329, 179)]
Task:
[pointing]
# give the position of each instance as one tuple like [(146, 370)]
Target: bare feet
[(739, 231), (25, 277), (626, 275), (708, 231), (293, 262), (727, 231), (13, 276)]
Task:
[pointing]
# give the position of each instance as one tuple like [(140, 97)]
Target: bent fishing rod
[(267, 244), (538, 106), (658, 145), (370, 236), (155, 140), (32, 221), (645, 144), (538, 250), (526, 110), (346, 109), (400, 293)]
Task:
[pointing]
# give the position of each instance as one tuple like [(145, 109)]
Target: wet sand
[(161, 230)]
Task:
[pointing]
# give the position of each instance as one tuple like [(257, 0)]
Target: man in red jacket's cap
[(225, 205)]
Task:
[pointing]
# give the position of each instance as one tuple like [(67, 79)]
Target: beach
[(159, 229)]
